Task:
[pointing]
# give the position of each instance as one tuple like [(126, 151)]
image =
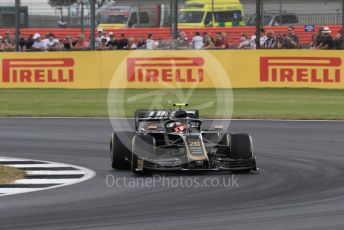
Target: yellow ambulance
[(210, 13)]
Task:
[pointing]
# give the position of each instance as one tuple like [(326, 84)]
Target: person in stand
[(279, 41), (67, 43), (81, 43), (208, 42), (61, 23), (123, 42), (29, 42), (98, 38), (219, 42), (9, 41), (131, 44), (103, 44), (326, 40), (112, 43), (197, 41), (270, 42), (38, 45), (2, 44), (291, 40), (53, 44), (22, 42), (245, 43), (338, 41), (313, 43), (225, 39), (161, 44), (182, 41), (141, 43), (262, 39), (150, 43)]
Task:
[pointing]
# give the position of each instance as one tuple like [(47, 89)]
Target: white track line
[(19, 186), (63, 172), (45, 181), (55, 165), (12, 191)]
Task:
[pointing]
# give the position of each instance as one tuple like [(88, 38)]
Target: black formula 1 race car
[(174, 140)]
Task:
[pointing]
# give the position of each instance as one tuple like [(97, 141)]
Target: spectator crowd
[(323, 39)]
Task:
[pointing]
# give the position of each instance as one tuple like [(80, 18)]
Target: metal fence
[(44, 14), (154, 13)]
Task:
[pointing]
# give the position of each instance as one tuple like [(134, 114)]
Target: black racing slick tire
[(120, 150), (241, 146)]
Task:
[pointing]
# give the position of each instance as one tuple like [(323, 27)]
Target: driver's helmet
[(178, 127), (180, 114)]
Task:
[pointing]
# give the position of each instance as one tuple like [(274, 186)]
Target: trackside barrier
[(171, 69)]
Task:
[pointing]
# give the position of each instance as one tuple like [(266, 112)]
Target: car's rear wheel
[(241, 146), (120, 150), (241, 149)]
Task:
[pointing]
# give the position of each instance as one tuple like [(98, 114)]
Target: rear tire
[(120, 150), (241, 146)]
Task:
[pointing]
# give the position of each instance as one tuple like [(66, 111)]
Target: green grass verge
[(10, 174), (268, 103)]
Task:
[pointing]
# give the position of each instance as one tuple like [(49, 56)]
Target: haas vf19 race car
[(175, 140)]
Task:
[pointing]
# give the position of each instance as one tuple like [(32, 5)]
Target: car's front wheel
[(120, 150)]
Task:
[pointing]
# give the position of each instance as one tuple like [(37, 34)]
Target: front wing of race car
[(213, 164), (173, 165), (192, 154)]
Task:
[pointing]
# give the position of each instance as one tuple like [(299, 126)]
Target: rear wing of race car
[(160, 115)]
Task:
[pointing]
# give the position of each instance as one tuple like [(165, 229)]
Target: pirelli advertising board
[(171, 69)]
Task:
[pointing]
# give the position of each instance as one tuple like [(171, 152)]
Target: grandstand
[(233, 34)]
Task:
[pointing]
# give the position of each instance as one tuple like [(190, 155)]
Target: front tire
[(120, 150)]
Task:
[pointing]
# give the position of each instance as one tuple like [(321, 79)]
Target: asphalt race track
[(300, 184)]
